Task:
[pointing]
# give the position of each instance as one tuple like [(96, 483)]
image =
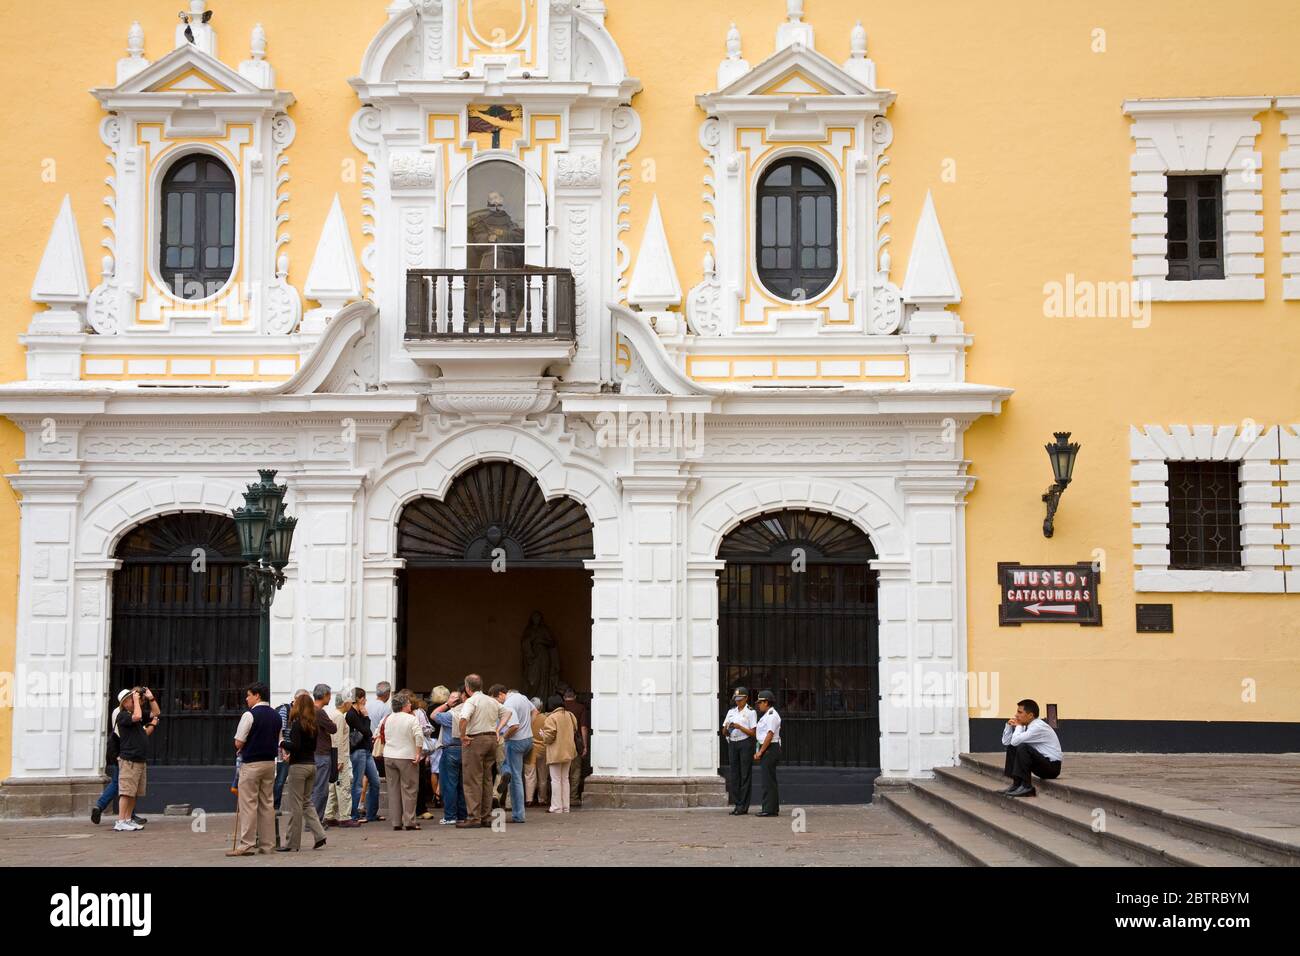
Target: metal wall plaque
[(1155, 618), (1051, 594)]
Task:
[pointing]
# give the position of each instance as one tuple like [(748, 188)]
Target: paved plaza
[(834, 836)]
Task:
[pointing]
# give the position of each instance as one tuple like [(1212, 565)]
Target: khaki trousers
[(403, 789), (535, 775), (338, 803), (575, 777), (476, 768), (257, 806), (297, 792)]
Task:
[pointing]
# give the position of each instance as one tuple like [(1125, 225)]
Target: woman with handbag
[(361, 741), (300, 748), (558, 734)]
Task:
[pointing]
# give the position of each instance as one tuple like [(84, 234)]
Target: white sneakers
[(127, 825)]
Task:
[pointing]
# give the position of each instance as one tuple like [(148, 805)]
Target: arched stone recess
[(918, 533), (714, 517), (558, 472), (113, 509)]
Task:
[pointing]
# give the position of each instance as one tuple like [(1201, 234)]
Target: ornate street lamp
[(1062, 454), (265, 537)]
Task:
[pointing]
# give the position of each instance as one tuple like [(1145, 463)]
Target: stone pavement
[(835, 836), (1266, 786)]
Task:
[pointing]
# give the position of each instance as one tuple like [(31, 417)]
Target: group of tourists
[(319, 759)]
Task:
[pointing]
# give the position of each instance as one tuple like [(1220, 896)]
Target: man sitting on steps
[(1032, 748)]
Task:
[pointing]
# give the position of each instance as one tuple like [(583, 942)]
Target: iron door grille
[(192, 639), (812, 638), (1204, 514)]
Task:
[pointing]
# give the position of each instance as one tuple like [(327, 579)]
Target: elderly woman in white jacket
[(403, 742)]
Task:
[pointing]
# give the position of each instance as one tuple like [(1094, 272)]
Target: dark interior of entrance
[(495, 584), (457, 621)]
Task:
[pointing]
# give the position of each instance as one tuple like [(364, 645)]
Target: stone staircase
[(1081, 823)]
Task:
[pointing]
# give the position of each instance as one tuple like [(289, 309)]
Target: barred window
[(1204, 515), (197, 248), (1195, 237)]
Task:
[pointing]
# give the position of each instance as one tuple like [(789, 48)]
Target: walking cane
[(234, 840)]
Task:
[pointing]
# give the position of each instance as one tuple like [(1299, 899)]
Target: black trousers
[(771, 791), (1023, 760), (740, 753)]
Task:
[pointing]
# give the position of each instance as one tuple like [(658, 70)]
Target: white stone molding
[(1209, 135), (735, 65), (1289, 167), (188, 102), (1151, 448), (334, 280), (1289, 455), (796, 102), (567, 75)]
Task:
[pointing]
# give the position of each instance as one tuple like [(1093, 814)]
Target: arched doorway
[(797, 615), (185, 625), (479, 563)]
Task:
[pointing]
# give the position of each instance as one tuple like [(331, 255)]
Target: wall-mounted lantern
[(1062, 454)]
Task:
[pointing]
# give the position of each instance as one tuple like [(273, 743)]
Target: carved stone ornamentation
[(578, 172), (579, 249), (414, 171)]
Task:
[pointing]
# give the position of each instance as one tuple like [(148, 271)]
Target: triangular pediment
[(796, 71), (187, 69)]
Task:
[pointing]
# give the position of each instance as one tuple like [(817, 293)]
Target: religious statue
[(541, 656)]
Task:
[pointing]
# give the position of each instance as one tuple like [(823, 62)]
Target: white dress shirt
[(770, 720), (745, 718), (1038, 734)]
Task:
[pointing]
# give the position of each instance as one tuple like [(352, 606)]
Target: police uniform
[(740, 750), (769, 722)]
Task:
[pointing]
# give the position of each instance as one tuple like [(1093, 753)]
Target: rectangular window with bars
[(1195, 237), (1205, 515)]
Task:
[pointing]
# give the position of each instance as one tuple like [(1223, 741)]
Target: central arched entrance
[(797, 615), (481, 564)]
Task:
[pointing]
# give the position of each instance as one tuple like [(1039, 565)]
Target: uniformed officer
[(768, 735), (739, 726)]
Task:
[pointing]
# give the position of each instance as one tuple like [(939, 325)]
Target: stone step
[(1029, 837), (966, 841), (1253, 838), (1136, 842)]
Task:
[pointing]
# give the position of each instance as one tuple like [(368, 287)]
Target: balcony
[(498, 323)]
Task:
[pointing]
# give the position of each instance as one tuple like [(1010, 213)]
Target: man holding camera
[(134, 727)]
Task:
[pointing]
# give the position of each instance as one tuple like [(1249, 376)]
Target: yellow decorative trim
[(158, 150), (187, 368), (823, 147), (801, 368), (774, 88), (623, 355), (173, 84)]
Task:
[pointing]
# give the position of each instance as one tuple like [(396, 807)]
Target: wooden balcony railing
[(459, 304)]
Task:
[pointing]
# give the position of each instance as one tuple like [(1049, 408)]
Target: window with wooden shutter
[(1195, 237)]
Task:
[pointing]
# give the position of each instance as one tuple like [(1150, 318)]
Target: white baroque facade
[(853, 405)]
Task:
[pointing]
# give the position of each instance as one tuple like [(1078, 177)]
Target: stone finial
[(135, 40), (257, 69), (134, 61), (654, 286), (734, 66), (858, 41), (61, 279), (334, 279), (195, 28), (859, 67), (931, 281), (793, 31)]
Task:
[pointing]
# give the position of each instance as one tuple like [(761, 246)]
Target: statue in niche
[(541, 657)]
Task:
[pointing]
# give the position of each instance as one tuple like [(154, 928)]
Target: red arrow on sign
[(1036, 609)]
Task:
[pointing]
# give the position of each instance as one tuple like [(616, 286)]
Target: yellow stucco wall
[(1015, 96)]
